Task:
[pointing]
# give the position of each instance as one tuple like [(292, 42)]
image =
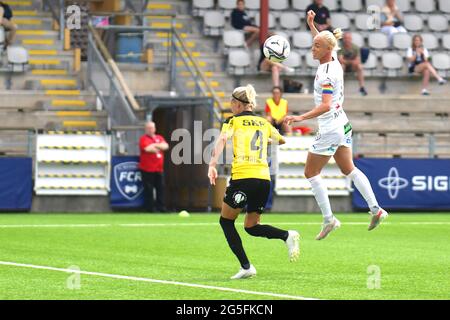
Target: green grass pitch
[(411, 251)]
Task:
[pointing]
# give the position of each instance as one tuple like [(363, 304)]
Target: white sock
[(321, 194), (363, 185)]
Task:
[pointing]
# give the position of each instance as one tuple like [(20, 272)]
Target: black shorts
[(252, 193)]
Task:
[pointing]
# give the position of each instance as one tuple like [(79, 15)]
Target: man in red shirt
[(151, 163)]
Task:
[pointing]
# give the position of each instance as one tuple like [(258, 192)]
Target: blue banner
[(127, 190), (16, 184), (407, 183)]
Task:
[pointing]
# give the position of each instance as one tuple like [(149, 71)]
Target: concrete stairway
[(51, 95)]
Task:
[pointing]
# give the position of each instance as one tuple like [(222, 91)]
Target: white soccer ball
[(276, 48)]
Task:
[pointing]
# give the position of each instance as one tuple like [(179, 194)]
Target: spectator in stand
[(322, 19), (241, 21), (391, 20), (417, 57), (151, 164), (276, 111), (350, 58), (5, 20), (275, 67)]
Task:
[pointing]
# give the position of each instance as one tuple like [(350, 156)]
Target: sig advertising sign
[(127, 190), (407, 183)]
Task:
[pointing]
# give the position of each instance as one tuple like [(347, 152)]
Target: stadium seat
[(290, 21), (438, 23), (358, 39), (340, 20), (252, 7), (361, 22), (371, 64), (17, 58), (300, 5), (272, 23), (404, 5), (332, 5), (238, 62), (283, 34), (233, 39), (2, 39), (425, 6), (430, 41), (277, 6), (226, 6), (302, 40), (379, 3), (441, 61), (378, 41), (351, 5), (402, 41), (444, 6), (213, 23), (392, 63), (413, 22), (446, 41), (294, 60), (199, 7), (311, 64)]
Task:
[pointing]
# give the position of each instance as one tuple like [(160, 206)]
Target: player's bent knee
[(347, 172), (309, 174)]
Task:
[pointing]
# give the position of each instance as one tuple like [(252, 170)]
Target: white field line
[(196, 224), (167, 282)]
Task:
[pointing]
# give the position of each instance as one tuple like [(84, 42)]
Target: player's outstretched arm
[(218, 148), (310, 20), (314, 113)]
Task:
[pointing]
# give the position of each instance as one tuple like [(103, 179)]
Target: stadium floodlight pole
[(264, 20)]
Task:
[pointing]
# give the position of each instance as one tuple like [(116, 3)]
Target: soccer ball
[(276, 48)]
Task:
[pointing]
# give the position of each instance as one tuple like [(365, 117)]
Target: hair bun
[(337, 33)]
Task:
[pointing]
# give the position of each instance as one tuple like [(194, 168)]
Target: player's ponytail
[(251, 95), (246, 95), (337, 33)]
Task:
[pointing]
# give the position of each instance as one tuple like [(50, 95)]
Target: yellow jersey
[(277, 111), (250, 135)]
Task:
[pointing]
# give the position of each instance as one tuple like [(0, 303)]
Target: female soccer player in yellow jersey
[(250, 178), (334, 138)]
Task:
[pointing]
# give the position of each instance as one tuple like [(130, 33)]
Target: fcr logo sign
[(393, 183), (128, 180)]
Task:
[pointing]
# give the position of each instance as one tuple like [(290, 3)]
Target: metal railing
[(105, 78), (17, 141), (58, 10), (125, 140), (180, 60)]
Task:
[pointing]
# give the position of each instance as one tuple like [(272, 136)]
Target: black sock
[(267, 231), (234, 241)]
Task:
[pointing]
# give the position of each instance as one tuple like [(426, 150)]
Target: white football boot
[(327, 228), (377, 218), (293, 245), (245, 273)]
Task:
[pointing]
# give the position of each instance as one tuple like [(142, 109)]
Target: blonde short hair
[(331, 38)]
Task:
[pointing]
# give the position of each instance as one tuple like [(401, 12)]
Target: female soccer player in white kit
[(334, 138)]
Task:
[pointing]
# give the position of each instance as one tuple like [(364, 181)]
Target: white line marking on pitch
[(193, 224), (54, 225), (175, 283)]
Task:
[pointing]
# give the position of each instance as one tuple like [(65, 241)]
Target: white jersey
[(330, 80)]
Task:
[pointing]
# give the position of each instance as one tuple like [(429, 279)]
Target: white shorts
[(327, 143)]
